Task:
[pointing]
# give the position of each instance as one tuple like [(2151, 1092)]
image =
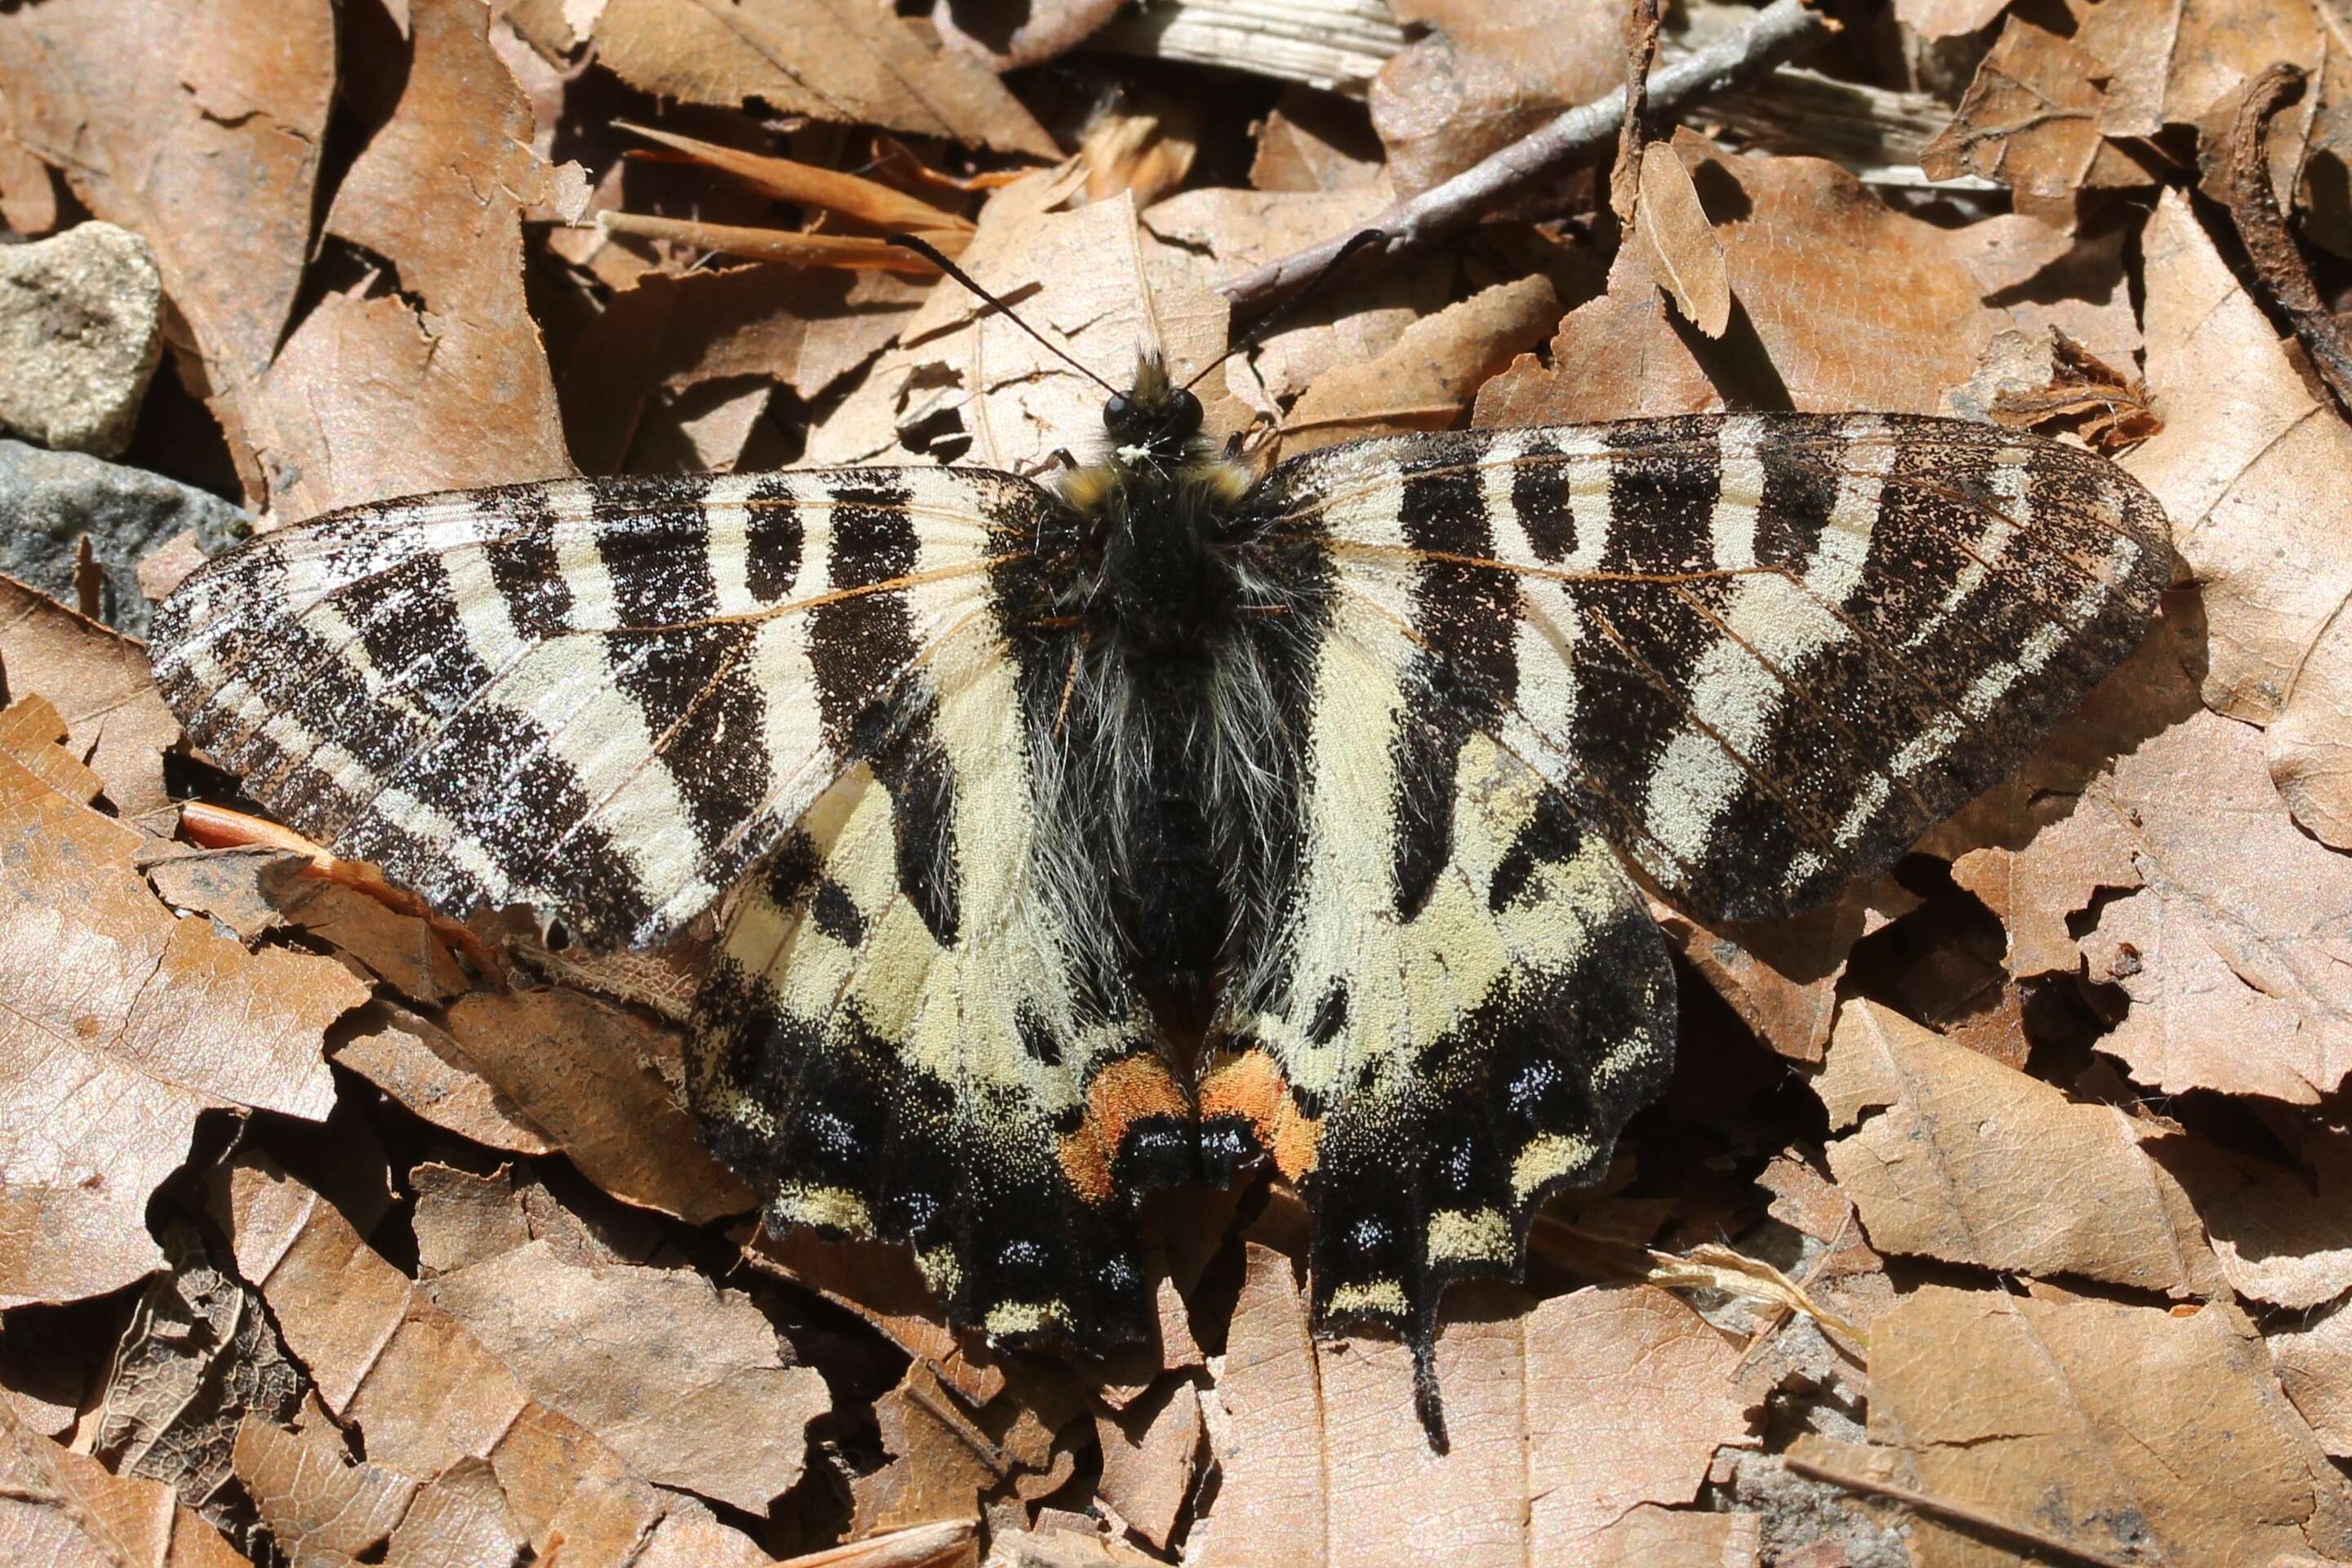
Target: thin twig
[(2270, 245), (1959, 1512), (1640, 53), (1779, 32)]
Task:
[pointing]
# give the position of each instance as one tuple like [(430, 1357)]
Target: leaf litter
[(1998, 1214)]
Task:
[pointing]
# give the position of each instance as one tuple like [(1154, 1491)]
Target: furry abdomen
[(1166, 707)]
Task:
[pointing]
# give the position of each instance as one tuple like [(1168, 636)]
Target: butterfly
[(1166, 819)]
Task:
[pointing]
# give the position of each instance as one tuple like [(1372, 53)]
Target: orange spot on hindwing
[(1250, 1084), (1121, 1094)]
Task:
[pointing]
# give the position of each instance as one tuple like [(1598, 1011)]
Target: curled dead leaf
[(2245, 446), (1673, 224)]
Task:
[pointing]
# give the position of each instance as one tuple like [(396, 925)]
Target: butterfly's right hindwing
[(981, 1084)]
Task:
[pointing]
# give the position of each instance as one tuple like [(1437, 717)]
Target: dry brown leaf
[(796, 247), (1948, 19), (322, 1507), (225, 884), (1075, 1545), (1207, 235), (372, 397), (1081, 278), (1670, 220), (2070, 387), (848, 64), (1848, 1273), (62, 1510), (679, 1379), (665, 334), (1324, 1461), (587, 1074), (1144, 146), (28, 195), (418, 1063), (1315, 141), (1148, 1450), (1035, 32), (463, 1218), (809, 185), (404, 951), (946, 1544), (425, 1397), (1487, 77), (2315, 1367), (941, 1461), (421, 1391), (1963, 1157), (2181, 63), (879, 1282), (1425, 378), (115, 719), (1840, 304), (2283, 1236), (211, 827), (1650, 1537), (692, 1537), (2145, 1434), (196, 1360), (123, 1024), (2232, 935), (1781, 976), (199, 126), (462, 1521), (2031, 120), (2246, 444), (34, 733)]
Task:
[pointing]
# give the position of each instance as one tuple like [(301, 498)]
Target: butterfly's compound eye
[(1119, 415), (1184, 414)]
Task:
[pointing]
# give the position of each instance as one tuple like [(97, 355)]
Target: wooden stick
[(1958, 1512), (1780, 31), (1641, 54)]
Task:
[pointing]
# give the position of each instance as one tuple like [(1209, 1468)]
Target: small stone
[(49, 501), (82, 318)]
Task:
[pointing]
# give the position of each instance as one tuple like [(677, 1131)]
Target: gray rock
[(49, 499), (82, 318)]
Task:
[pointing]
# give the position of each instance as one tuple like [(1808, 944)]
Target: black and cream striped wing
[(1428, 1064), (1756, 654), (1761, 653), (603, 699), (966, 1071)]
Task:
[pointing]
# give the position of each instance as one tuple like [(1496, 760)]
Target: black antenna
[(931, 253), (1357, 243)]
